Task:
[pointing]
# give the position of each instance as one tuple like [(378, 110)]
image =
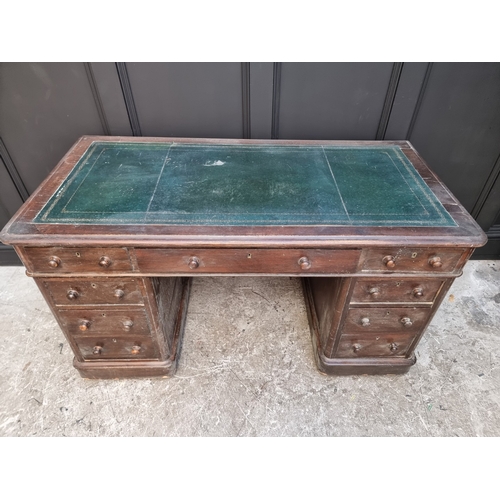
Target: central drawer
[(247, 261)]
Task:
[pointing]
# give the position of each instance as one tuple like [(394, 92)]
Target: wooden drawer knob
[(97, 350), (435, 262), (365, 321), (84, 325), (418, 292), (105, 261), (393, 347), (304, 263), (119, 293), (128, 324), (374, 292), (194, 263), (136, 349), (389, 261), (407, 322), (54, 261), (72, 294)]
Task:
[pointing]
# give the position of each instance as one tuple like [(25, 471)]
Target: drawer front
[(395, 290), (75, 292), (97, 347), (77, 260), (438, 260), (82, 322), (370, 320), (251, 261), (365, 346)]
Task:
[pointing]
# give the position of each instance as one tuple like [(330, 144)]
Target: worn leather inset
[(200, 184)]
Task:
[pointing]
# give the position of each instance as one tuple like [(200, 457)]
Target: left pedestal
[(120, 327)]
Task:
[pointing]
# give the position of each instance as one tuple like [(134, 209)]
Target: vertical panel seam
[(486, 190), (419, 101), (128, 97), (245, 93), (390, 97), (13, 172), (97, 98), (276, 100)]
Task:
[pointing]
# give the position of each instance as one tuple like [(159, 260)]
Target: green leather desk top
[(242, 185)]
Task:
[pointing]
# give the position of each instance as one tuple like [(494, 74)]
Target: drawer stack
[(382, 311), (386, 316), (104, 318), (116, 325)]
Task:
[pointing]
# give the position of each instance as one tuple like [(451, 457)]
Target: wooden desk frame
[(120, 292)]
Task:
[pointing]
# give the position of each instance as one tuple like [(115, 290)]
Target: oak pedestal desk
[(116, 232)]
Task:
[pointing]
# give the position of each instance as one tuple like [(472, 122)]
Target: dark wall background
[(449, 111)]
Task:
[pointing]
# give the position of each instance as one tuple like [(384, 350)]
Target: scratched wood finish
[(246, 261), (128, 322), (410, 259), (98, 291), (416, 290), (116, 348), (371, 320), (367, 346), (77, 260)]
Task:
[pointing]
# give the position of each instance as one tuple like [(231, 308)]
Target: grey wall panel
[(111, 95), (10, 200), (188, 99), (457, 128), (489, 215), (44, 108), (261, 99), (332, 100), (405, 101)]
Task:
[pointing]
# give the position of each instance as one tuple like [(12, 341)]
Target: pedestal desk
[(116, 232)]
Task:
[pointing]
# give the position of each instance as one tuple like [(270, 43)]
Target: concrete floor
[(247, 369)]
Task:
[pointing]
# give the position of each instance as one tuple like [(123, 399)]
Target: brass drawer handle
[(407, 322), (97, 350), (72, 294), (105, 261), (374, 292), (365, 321), (128, 324), (418, 292), (304, 263), (394, 347), (356, 347), (54, 261), (83, 325), (119, 293), (389, 261), (194, 263), (435, 262)]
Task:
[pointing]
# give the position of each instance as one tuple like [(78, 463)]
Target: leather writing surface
[(200, 184)]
